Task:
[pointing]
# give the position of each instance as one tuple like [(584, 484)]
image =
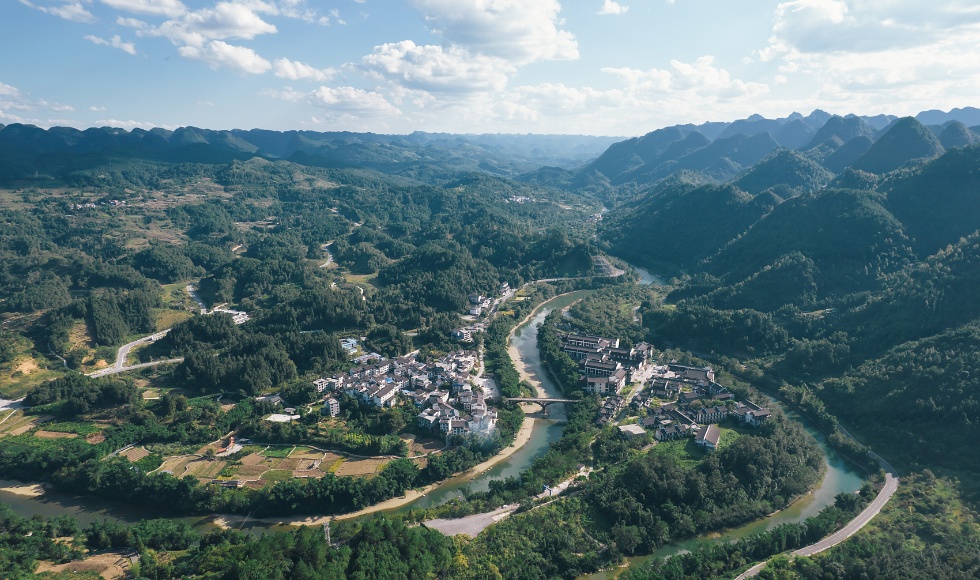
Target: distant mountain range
[(719, 150), (725, 151), (26, 150)]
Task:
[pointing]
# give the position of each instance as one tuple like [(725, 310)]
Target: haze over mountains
[(720, 150)]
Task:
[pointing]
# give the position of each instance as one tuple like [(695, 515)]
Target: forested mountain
[(956, 134), (848, 235), (729, 151), (58, 152), (83, 267), (856, 296), (684, 223), (787, 172), (907, 140), (841, 128), (939, 202)]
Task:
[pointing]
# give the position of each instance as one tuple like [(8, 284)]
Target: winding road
[(123, 353), (862, 519)]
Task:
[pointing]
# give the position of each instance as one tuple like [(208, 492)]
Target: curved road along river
[(862, 519)]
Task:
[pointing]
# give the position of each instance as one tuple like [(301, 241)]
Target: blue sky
[(598, 67)]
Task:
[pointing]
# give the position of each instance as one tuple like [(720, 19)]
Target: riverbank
[(515, 355), (523, 436), (21, 489)]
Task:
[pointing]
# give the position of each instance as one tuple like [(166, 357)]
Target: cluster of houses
[(605, 367), (378, 382), (238, 316), (699, 405), (480, 303), (465, 334)]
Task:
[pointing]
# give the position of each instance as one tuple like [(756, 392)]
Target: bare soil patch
[(55, 435), (177, 465), (306, 453), (110, 566), (134, 454), (252, 459), (204, 469), (27, 366), (309, 474), (360, 467)]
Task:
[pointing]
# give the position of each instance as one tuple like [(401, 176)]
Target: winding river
[(840, 477)]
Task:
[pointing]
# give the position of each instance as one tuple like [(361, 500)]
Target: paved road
[(113, 370), (862, 519), (193, 294), (123, 354)]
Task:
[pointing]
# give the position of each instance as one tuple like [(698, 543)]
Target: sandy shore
[(22, 489)]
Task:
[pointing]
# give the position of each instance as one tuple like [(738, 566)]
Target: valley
[(195, 364)]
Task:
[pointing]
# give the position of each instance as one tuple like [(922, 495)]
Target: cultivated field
[(360, 467)]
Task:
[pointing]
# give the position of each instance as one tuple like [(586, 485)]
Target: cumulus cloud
[(613, 7), (295, 70), (436, 69), (521, 31), (868, 56), (824, 26), (341, 101), (168, 8), (700, 78), (133, 23), (68, 10), (219, 54), (114, 42), (8, 91), (225, 20)]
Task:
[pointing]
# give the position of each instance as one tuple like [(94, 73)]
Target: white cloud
[(12, 118), (130, 125), (700, 78), (522, 31), (68, 10), (114, 42), (436, 69), (9, 91), (133, 23), (220, 54), (613, 7), (225, 20), (341, 101), (295, 70), (95, 109), (168, 8), (825, 26), (299, 10), (353, 100), (873, 56)]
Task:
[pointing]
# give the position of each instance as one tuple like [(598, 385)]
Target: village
[(459, 409), (675, 401)]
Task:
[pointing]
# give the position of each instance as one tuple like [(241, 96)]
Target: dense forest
[(829, 260)]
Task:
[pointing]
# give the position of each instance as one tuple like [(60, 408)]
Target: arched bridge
[(543, 401)]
